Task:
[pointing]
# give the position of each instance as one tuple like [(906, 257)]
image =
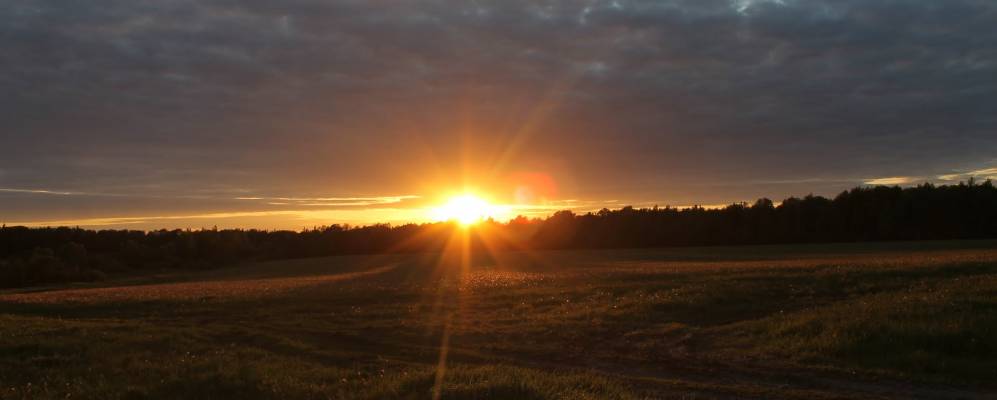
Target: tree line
[(33, 256)]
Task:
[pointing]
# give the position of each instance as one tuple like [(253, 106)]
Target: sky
[(286, 115)]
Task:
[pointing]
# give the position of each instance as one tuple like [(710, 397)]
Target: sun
[(465, 209)]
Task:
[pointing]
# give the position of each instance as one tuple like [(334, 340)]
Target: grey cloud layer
[(663, 93)]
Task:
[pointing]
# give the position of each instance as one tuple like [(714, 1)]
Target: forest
[(968, 210)]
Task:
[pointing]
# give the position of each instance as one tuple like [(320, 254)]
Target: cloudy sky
[(163, 113)]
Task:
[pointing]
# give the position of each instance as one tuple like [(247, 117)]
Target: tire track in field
[(187, 291)]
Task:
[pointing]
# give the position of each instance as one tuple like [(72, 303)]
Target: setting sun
[(466, 209)]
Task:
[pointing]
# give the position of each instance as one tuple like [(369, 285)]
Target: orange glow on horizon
[(468, 209)]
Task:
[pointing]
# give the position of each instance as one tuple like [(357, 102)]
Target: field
[(893, 320)]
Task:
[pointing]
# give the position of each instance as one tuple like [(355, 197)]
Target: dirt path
[(187, 291)]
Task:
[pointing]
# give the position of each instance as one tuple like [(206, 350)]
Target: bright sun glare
[(466, 209)]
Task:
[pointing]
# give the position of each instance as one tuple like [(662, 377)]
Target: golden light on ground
[(468, 209)]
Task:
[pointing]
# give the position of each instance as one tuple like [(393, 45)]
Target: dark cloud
[(651, 100)]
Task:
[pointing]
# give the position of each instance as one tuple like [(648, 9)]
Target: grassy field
[(893, 320)]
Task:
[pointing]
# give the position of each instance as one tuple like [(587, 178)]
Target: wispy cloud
[(893, 180), (57, 192), (111, 221), (300, 201), (985, 173), (331, 201), (262, 219), (788, 181), (39, 191), (742, 6)]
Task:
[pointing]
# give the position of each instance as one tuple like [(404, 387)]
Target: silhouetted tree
[(964, 211)]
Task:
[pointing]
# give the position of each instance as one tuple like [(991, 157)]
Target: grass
[(819, 321)]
